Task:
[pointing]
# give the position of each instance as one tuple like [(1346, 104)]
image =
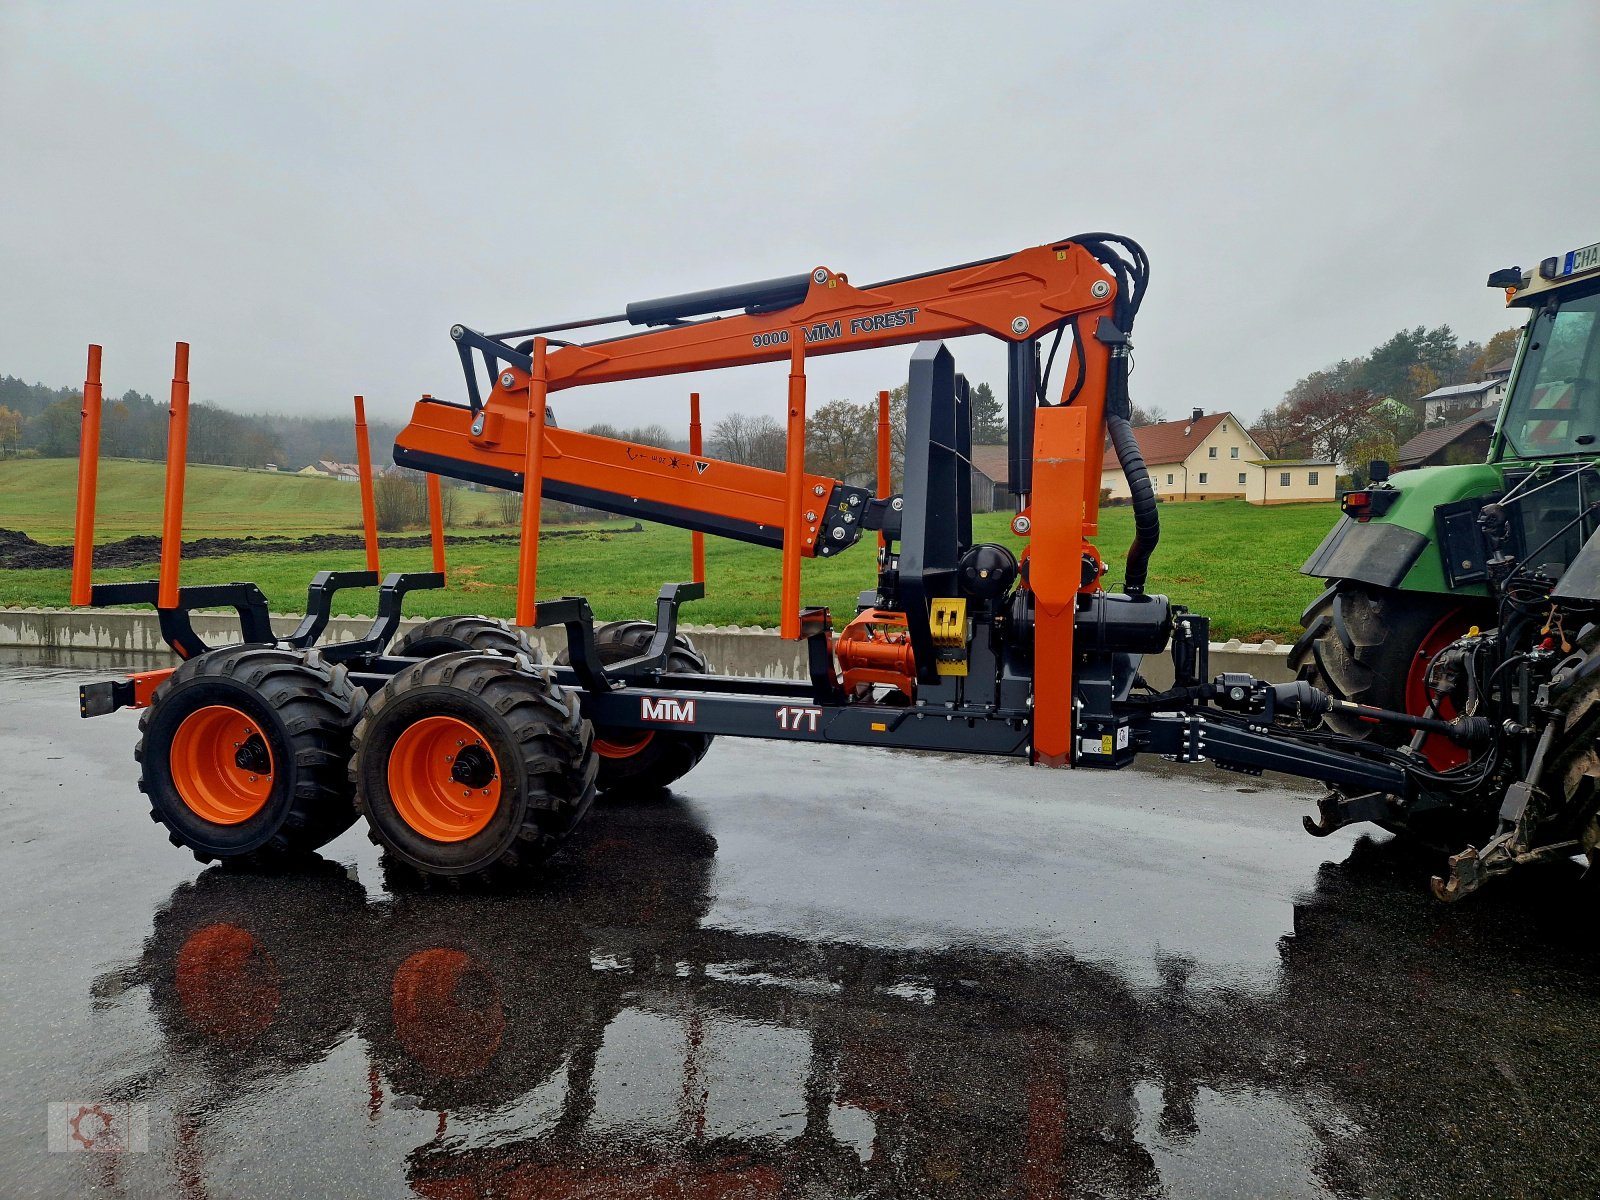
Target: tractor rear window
[(1555, 408)]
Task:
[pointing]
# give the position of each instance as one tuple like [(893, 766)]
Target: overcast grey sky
[(312, 194)]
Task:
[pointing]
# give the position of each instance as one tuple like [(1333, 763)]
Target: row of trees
[(1364, 408), (47, 422)]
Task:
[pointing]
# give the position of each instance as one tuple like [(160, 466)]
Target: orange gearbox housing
[(875, 648)]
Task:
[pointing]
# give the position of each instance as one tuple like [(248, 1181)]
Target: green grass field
[(1233, 561), (39, 497)]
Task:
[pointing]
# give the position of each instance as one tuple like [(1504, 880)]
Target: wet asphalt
[(807, 972)]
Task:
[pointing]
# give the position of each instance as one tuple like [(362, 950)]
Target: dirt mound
[(19, 552)]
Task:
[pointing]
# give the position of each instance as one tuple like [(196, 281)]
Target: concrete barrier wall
[(731, 650)]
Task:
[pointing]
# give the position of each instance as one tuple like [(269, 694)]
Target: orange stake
[(88, 481), (177, 462), (797, 530), (532, 486), (436, 522), (369, 511), (885, 468), (697, 540)]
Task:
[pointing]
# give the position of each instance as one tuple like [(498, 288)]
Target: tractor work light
[(1582, 261)]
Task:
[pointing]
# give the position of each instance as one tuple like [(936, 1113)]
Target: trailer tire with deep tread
[(283, 791), (529, 779), (645, 761), (445, 635)]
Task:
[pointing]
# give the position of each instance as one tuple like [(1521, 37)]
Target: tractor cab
[(1553, 410)]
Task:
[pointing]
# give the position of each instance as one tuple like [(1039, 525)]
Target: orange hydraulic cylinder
[(436, 522), (88, 482), (532, 486), (697, 540), (796, 529), (177, 463), (369, 511), (1056, 549), (885, 467)]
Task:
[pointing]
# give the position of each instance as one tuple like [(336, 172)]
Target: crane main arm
[(1018, 298)]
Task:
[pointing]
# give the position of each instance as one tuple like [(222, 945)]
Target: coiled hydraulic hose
[(1146, 513), (1126, 259)]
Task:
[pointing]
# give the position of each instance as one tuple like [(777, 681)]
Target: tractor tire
[(242, 754), (444, 635), (649, 760), (472, 768), (1372, 646)]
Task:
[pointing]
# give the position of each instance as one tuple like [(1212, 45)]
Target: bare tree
[(753, 441), (1277, 433), (510, 505), (449, 501), (401, 501)]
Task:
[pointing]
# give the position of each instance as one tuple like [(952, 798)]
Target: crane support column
[(697, 540), (1060, 454), (532, 486), (797, 531)]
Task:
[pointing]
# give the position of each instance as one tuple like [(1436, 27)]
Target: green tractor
[(1409, 568)]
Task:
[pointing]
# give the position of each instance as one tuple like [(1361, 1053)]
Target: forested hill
[(45, 420)]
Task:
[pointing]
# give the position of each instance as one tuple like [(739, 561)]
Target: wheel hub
[(473, 767)]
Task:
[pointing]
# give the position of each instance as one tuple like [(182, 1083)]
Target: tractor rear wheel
[(443, 635), (242, 753), (1373, 646), (644, 760), (472, 766)]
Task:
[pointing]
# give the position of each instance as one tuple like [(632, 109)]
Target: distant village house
[(1213, 457)]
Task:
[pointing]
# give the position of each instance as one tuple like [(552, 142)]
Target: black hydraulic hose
[(1146, 515), (1131, 267)]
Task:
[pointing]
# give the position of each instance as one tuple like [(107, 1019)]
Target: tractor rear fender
[(1400, 548)]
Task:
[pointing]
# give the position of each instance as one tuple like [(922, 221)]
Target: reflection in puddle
[(1249, 1143), (597, 1038)]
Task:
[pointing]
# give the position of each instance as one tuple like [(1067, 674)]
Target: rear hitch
[(1335, 810)]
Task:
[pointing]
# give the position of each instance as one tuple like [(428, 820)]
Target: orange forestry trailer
[(470, 759)]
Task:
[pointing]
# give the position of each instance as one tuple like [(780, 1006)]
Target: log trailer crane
[(471, 760)]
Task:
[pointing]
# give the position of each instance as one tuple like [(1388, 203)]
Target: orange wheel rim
[(221, 765), (444, 779), (617, 744)]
